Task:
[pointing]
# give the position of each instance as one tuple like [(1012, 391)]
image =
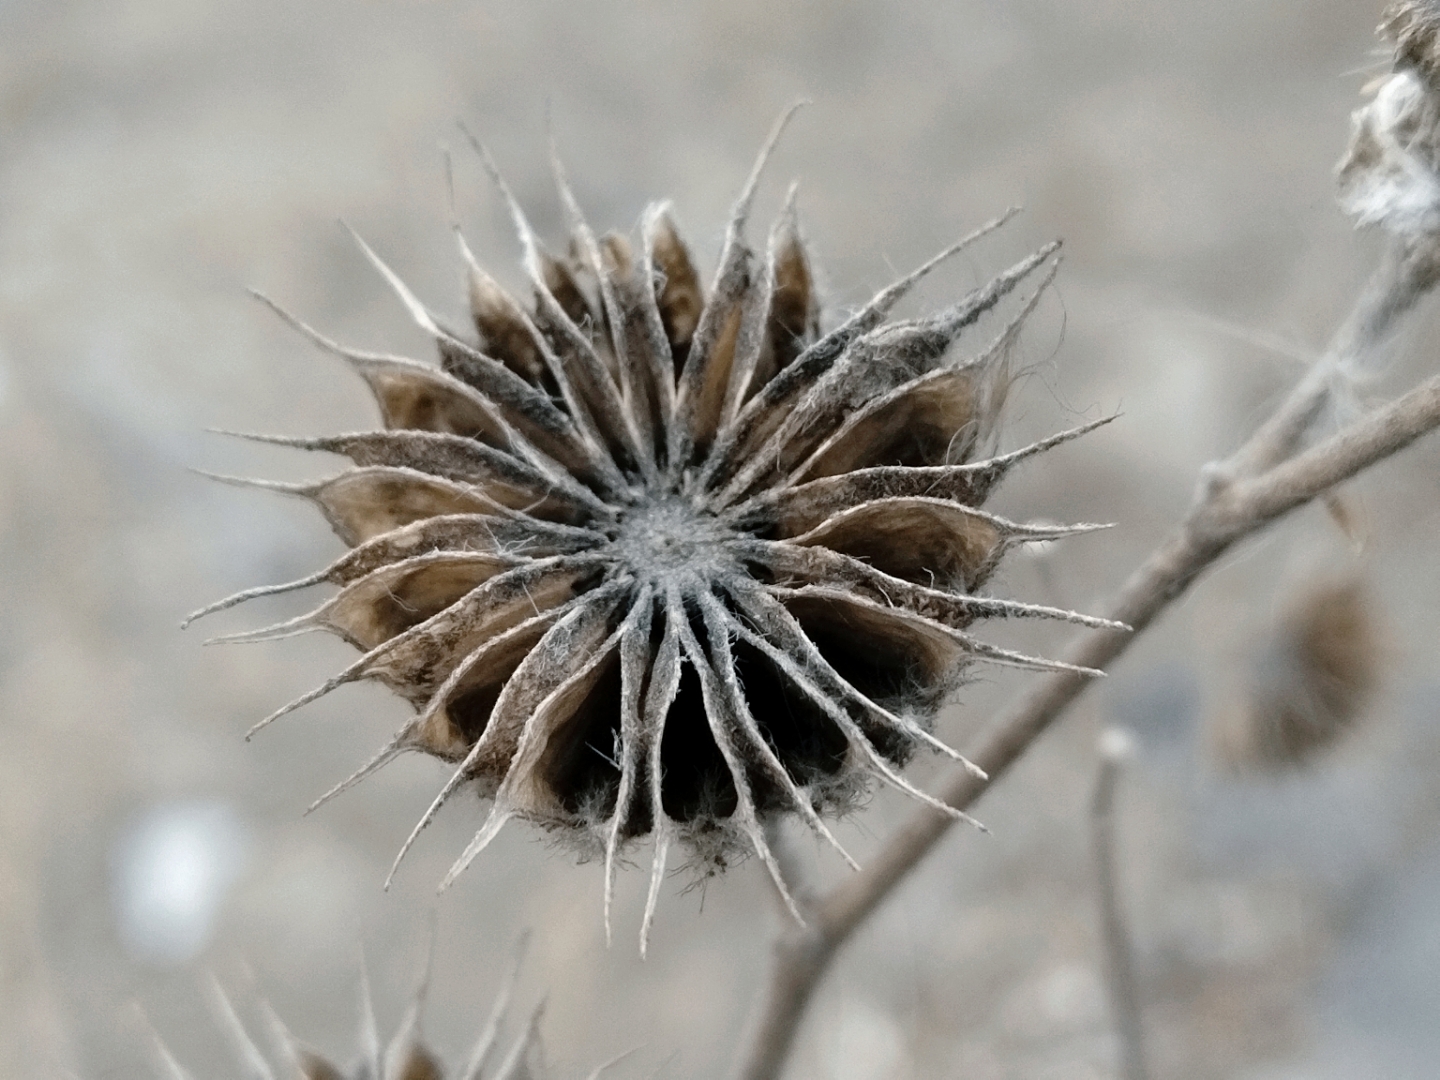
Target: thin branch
[(1115, 938), (1236, 498), (1357, 447), (1406, 273)]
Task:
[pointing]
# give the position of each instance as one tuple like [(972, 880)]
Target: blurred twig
[(1407, 272), (1115, 938), (1263, 480)]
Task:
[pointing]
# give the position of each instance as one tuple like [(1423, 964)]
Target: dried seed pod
[(1310, 682), (1390, 174), (655, 559), (1413, 28)]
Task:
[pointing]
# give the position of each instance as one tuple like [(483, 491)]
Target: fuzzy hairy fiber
[(656, 558), (1390, 174)]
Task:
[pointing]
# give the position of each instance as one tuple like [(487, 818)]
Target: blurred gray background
[(158, 157)]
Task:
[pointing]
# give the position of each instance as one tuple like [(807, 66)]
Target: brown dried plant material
[(1310, 682), (655, 558)]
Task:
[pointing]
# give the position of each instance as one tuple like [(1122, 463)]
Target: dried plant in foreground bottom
[(651, 558), (404, 1057)]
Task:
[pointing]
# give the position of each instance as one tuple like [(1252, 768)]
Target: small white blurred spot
[(864, 1044), (1116, 744), (171, 869)]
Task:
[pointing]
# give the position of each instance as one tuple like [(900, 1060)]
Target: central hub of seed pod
[(666, 536)]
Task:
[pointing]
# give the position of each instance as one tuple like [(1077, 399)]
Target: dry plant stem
[(1407, 272), (1226, 510), (1115, 937)]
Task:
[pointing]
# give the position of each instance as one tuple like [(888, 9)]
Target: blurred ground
[(157, 157)]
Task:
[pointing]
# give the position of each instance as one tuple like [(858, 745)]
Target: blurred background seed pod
[(1309, 681)]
